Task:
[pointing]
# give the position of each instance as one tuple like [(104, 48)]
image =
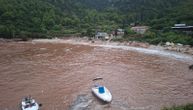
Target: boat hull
[(36, 107), (106, 96), (29, 106)]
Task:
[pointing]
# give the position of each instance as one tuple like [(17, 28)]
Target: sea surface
[(60, 75)]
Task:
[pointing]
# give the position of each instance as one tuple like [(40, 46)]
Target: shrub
[(154, 37), (178, 38), (128, 31)]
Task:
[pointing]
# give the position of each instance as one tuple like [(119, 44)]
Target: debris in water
[(191, 67), (82, 102), (43, 49), (97, 78)]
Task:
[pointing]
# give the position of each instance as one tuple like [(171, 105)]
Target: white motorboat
[(29, 103), (102, 93)]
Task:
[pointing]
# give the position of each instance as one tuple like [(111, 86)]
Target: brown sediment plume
[(55, 74)]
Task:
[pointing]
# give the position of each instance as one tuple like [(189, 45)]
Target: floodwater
[(60, 76)]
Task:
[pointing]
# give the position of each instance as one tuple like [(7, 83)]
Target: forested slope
[(26, 17)]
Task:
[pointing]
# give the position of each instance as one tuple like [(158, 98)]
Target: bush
[(27, 35), (129, 32), (90, 32), (150, 34), (57, 27), (178, 38), (155, 37)]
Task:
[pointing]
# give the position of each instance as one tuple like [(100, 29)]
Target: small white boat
[(102, 93), (29, 104)]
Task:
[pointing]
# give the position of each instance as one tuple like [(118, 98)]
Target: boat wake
[(88, 102)]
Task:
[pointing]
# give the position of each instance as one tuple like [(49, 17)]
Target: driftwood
[(97, 78)]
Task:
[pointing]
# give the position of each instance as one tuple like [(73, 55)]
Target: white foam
[(170, 54)]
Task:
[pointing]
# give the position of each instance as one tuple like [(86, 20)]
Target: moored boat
[(102, 93), (28, 103)]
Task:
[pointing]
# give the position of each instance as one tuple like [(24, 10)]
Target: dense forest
[(39, 18)]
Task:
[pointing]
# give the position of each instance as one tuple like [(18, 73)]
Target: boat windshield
[(101, 90)]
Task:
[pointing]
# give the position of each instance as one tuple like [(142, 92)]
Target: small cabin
[(140, 29), (183, 28), (102, 35), (119, 33)]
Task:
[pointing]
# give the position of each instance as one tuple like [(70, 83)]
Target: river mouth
[(57, 74)]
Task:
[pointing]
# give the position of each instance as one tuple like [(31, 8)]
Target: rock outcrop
[(178, 48)]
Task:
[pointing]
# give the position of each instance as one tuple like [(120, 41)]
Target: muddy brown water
[(60, 75)]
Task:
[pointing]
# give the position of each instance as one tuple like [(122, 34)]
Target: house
[(102, 35), (183, 28), (132, 24), (140, 29), (179, 25), (119, 33)]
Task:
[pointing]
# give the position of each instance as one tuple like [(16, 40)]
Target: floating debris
[(83, 102), (191, 67)]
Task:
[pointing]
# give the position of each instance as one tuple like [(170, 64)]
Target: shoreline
[(137, 47), (167, 50)]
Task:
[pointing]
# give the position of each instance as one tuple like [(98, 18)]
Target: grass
[(182, 107)]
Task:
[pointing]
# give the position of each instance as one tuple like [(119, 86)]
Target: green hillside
[(38, 18)]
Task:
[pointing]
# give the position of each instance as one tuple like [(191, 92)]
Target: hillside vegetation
[(40, 18)]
